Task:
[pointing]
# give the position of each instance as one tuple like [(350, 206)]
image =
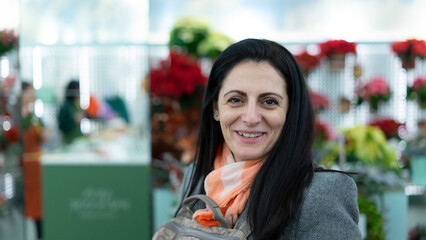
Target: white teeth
[(250, 135)]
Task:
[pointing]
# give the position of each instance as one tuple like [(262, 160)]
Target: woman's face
[(251, 108)]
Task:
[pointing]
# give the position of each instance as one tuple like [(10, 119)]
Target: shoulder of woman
[(329, 209), (331, 182), (331, 195)]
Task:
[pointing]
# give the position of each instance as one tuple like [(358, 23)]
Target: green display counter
[(90, 199)]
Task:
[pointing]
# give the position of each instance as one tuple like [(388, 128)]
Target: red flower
[(389, 127), (322, 131), (410, 48), (400, 47), (376, 87), (307, 61), (332, 47), (419, 83), (12, 135), (376, 91), (176, 76), (319, 101)]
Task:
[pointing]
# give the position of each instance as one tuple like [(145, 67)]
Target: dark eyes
[(269, 102), (234, 100)]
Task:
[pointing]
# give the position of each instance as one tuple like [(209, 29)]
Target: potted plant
[(335, 52), (319, 101), (378, 176), (408, 51), (418, 92), (213, 45), (187, 34), (307, 62), (374, 92), (323, 138), (177, 87), (389, 127), (193, 37), (8, 41)]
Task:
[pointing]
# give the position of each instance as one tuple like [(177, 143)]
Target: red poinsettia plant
[(390, 127), (307, 61), (8, 41), (374, 92), (322, 133), (408, 50), (176, 76), (319, 101), (177, 87), (336, 47), (418, 91)]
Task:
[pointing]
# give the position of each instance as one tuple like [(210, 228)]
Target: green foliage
[(368, 145), (374, 218), (213, 45), (375, 101), (188, 33), (419, 96), (194, 37), (329, 154)]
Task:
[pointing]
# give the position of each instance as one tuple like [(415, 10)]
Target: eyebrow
[(261, 95)]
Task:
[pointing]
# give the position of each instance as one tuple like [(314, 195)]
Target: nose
[(251, 115)]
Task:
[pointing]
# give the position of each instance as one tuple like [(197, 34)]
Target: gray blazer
[(329, 209)]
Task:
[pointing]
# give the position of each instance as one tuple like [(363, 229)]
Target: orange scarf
[(229, 186)]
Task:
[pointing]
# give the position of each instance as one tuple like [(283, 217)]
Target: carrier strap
[(217, 214)]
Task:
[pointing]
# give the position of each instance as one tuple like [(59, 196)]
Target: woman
[(254, 154), (34, 135), (70, 113)]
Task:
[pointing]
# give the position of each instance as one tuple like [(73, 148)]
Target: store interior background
[(107, 184)]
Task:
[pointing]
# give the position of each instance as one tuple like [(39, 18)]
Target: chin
[(247, 157)]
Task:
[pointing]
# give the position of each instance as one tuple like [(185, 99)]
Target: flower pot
[(394, 207), (409, 63), (337, 62), (418, 170), (344, 105)]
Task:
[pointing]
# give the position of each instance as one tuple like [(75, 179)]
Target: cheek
[(277, 121), (228, 116), (226, 120)]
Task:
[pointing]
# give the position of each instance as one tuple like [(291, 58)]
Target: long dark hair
[(277, 190)]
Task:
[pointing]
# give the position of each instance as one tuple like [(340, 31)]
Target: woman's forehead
[(261, 75)]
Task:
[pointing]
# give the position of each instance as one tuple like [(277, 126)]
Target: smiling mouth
[(250, 135)]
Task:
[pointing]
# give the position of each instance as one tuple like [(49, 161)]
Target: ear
[(215, 112)]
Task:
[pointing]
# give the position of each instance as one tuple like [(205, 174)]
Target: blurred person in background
[(70, 113), (34, 135)]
